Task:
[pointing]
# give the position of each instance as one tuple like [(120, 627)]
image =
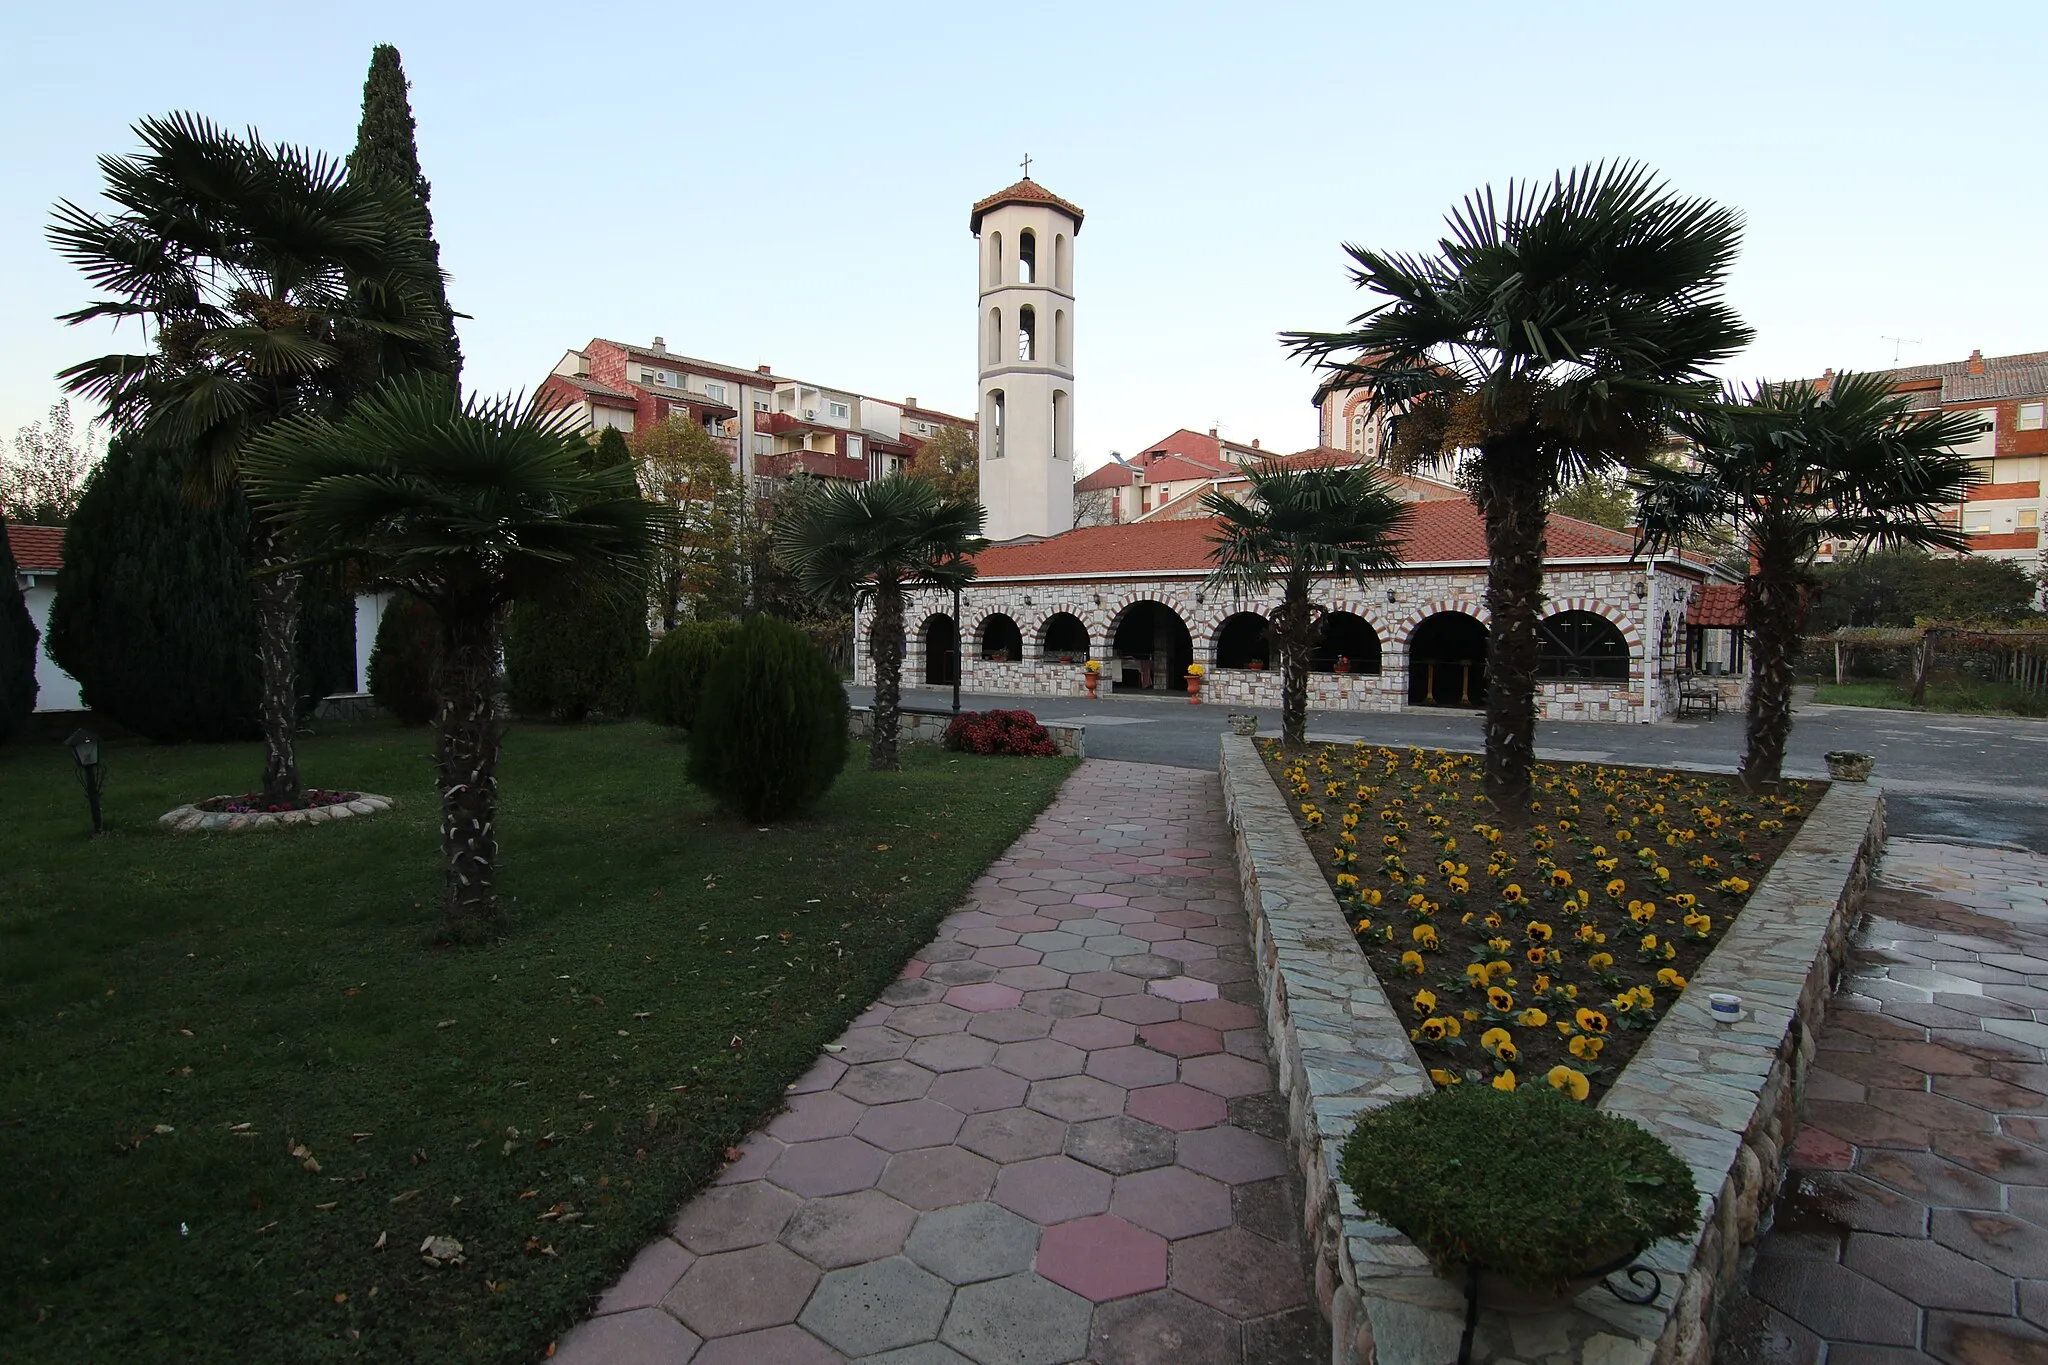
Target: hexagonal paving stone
[(1051, 941), (921, 1021), (1011, 1026), (945, 1052), (1052, 1189), (1928, 1273), (1076, 1098), (1040, 1059), (966, 973), (775, 1346), (980, 1090), (742, 1291), (1164, 1328), (1106, 985), (1103, 1257), (645, 1334), (912, 1123), (1141, 1009), (1132, 1067), (1181, 1039), (985, 936), (1116, 945), (1013, 956), (1238, 1274), (823, 1075), (1120, 1145), (923, 1353), (838, 1165), (1172, 1201), (1019, 1320), (1834, 1301), (821, 1114), (933, 1177), (972, 1242), (649, 1276), (847, 1229), (1077, 960), (1221, 1015), (883, 1083), (880, 1306), (1222, 1074), (912, 991), (1092, 1031), (1101, 900), (872, 1044), (1179, 1107), (1010, 1135), (728, 1217), (1061, 1003), (1181, 989), (1232, 1155)]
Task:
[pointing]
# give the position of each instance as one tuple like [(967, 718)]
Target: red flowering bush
[(1000, 732)]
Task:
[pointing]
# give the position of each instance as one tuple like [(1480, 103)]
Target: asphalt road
[(1970, 779)]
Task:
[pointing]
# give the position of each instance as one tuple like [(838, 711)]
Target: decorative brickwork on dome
[(1025, 191)]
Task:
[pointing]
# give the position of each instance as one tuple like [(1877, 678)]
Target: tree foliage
[(703, 573), (770, 737), (41, 482), (672, 678), (18, 639), (387, 149), (1551, 335), (846, 542), (1791, 466), (1296, 527), (1604, 499), (950, 462), (404, 659), (1906, 587)]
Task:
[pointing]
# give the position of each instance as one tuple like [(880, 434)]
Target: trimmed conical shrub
[(681, 662), (155, 616), (770, 736), (18, 637), (403, 659)]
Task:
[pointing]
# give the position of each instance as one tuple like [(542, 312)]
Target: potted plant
[(1092, 675), (1256, 665), (1066, 658), (1846, 765), (1525, 1197), (1195, 672), (1343, 664), (999, 656)]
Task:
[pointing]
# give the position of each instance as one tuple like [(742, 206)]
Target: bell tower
[(1025, 340)]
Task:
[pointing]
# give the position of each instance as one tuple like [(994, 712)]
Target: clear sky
[(789, 185)]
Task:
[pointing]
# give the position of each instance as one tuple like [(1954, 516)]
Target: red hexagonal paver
[(1093, 1031), (982, 996), (1172, 1201), (1181, 989), (1181, 1038), (1102, 1258), (742, 1291), (1237, 1273), (980, 1090), (937, 1177), (1179, 1107), (1052, 1189), (1132, 1067), (1226, 1076), (912, 1123), (821, 1114), (1040, 1059), (837, 1165), (728, 1217)]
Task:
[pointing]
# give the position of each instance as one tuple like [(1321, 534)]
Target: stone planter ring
[(1845, 765), (196, 819)]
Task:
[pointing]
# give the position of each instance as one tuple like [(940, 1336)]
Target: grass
[(238, 1089), (1545, 949), (1955, 696)]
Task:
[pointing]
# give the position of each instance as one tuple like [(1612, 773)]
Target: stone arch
[(1629, 627), (1242, 639), (939, 641), (1584, 646), (1064, 634), (1447, 659), (1347, 635), (997, 633), (1150, 646)]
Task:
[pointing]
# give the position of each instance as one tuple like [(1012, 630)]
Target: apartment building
[(1167, 479), (768, 425)]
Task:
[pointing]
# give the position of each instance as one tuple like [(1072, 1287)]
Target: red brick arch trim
[(1620, 620)]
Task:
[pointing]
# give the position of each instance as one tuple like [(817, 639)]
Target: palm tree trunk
[(277, 652), (885, 647), (1292, 622), (1511, 491), (466, 758), (1774, 605)]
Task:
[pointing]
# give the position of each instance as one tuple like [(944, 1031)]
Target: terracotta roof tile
[(1025, 191), (1718, 604), (37, 549)]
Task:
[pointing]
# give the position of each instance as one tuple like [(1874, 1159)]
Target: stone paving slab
[(1914, 1222), (1056, 1137)]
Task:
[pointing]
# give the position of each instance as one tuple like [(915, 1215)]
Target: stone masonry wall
[(1725, 1097)]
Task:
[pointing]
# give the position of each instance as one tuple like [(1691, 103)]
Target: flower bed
[(234, 814), (252, 803), (1545, 951), (1000, 732)]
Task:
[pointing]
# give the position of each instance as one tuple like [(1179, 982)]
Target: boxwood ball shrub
[(403, 659), (1526, 1183), (1000, 732), (770, 736), (673, 676)]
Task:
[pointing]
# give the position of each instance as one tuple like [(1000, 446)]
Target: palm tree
[(1789, 467), (875, 540), (467, 507), (275, 287), (1299, 525), (1548, 339)]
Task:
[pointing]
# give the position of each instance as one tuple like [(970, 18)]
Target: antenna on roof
[(1897, 343)]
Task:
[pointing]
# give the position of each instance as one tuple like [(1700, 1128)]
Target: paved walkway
[(1914, 1224), (1056, 1138)]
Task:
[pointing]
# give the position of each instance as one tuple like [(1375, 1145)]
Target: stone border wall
[(1724, 1096), (192, 820), (929, 727)]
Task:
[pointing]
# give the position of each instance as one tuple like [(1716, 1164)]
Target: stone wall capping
[(190, 819), (1723, 1095)]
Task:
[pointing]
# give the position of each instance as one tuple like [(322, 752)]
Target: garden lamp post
[(85, 752), (958, 653)]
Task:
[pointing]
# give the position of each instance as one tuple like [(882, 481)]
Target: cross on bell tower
[(1025, 331)]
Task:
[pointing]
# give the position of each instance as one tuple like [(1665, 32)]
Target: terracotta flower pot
[(1093, 680), (1194, 689)]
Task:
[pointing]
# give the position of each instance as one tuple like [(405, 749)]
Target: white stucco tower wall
[(1024, 338)]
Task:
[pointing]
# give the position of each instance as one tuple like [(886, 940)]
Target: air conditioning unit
[(810, 414)]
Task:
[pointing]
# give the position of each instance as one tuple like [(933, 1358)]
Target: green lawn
[(1959, 696), (179, 1015)]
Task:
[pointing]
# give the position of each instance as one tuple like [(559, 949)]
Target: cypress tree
[(18, 638), (385, 147), (153, 614)]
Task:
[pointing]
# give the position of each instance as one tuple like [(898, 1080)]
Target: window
[(2033, 416), (995, 424), (1062, 433), (647, 376), (2030, 519), (1027, 333), (715, 392), (1578, 644), (760, 405), (761, 446), (995, 336), (840, 409), (1062, 346), (1027, 257), (1062, 271), (995, 258)]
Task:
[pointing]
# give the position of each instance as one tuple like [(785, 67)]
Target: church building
[(1619, 632)]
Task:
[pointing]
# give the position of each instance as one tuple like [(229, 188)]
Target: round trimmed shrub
[(569, 656), (1000, 732), (673, 676), (770, 736), (1526, 1183), (403, 659)]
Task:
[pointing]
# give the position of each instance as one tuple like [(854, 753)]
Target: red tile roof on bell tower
[(1025, 191)]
